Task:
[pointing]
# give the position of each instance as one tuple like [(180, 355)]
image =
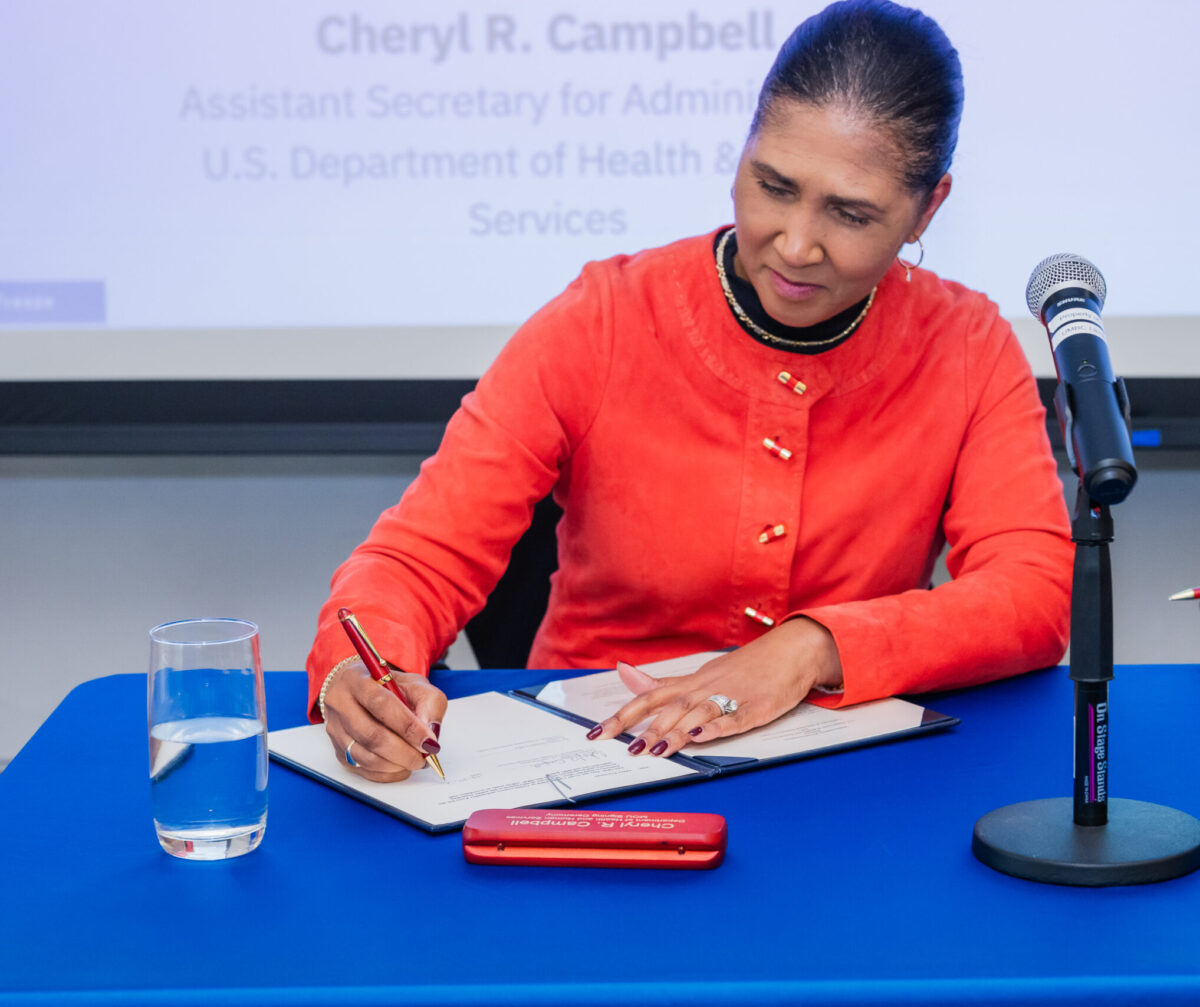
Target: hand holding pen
[(373, 735)]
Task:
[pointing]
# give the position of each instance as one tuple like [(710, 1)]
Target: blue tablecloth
[(849, 879)]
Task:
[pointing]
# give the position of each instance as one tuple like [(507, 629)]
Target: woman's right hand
[(386, 740)]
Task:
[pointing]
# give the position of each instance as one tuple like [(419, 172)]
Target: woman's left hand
[(766, 677)]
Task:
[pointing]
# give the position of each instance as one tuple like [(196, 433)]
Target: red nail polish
[(595, 732), (430, 747), (695, 730), (436, 727), (659, 748), (636, 747)]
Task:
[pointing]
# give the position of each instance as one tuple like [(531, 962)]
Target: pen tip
[(432, 760), (1183, 595)]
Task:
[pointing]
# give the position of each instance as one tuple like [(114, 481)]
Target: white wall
[(95, 551)]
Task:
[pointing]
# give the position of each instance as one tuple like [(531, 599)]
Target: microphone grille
[(1054, 272)]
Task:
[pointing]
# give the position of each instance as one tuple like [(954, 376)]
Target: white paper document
[(501, 751), (497, 752), (601, 695), (806, 728)]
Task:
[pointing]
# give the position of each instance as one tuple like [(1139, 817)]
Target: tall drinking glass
[(208, 738)]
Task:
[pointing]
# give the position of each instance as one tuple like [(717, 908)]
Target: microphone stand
[(1090, 840)]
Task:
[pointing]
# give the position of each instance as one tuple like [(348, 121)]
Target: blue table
[(849, 879)]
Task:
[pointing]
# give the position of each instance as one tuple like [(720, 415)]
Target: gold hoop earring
[(910, 266)]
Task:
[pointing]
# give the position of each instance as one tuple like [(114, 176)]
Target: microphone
[(1065, 293)]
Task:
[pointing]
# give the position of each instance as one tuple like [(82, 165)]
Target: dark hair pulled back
[(890, 64)]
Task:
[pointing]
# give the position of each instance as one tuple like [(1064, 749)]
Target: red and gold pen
[(1188, 595), (379, 670)]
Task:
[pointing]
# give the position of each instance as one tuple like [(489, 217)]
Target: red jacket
[(638, 399)]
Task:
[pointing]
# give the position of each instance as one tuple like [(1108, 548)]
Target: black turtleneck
[(746, 296)]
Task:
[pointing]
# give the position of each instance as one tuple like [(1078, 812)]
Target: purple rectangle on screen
[(51, 301)]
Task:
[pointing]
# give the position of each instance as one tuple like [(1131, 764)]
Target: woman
[(761, 439)]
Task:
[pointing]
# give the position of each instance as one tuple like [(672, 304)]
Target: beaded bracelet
[(329, 680)]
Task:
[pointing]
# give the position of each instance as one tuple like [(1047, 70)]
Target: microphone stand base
[(1039, 841)]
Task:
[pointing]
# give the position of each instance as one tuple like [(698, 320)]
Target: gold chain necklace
[(758, 330)]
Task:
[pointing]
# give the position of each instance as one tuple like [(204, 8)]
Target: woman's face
[(821, 211)]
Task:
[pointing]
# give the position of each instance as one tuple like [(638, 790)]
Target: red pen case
[(554, 838)]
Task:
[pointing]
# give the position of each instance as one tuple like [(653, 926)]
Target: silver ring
[(723, 703), (350, 758)]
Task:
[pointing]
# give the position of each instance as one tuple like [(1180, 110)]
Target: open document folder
[(527, 748)]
